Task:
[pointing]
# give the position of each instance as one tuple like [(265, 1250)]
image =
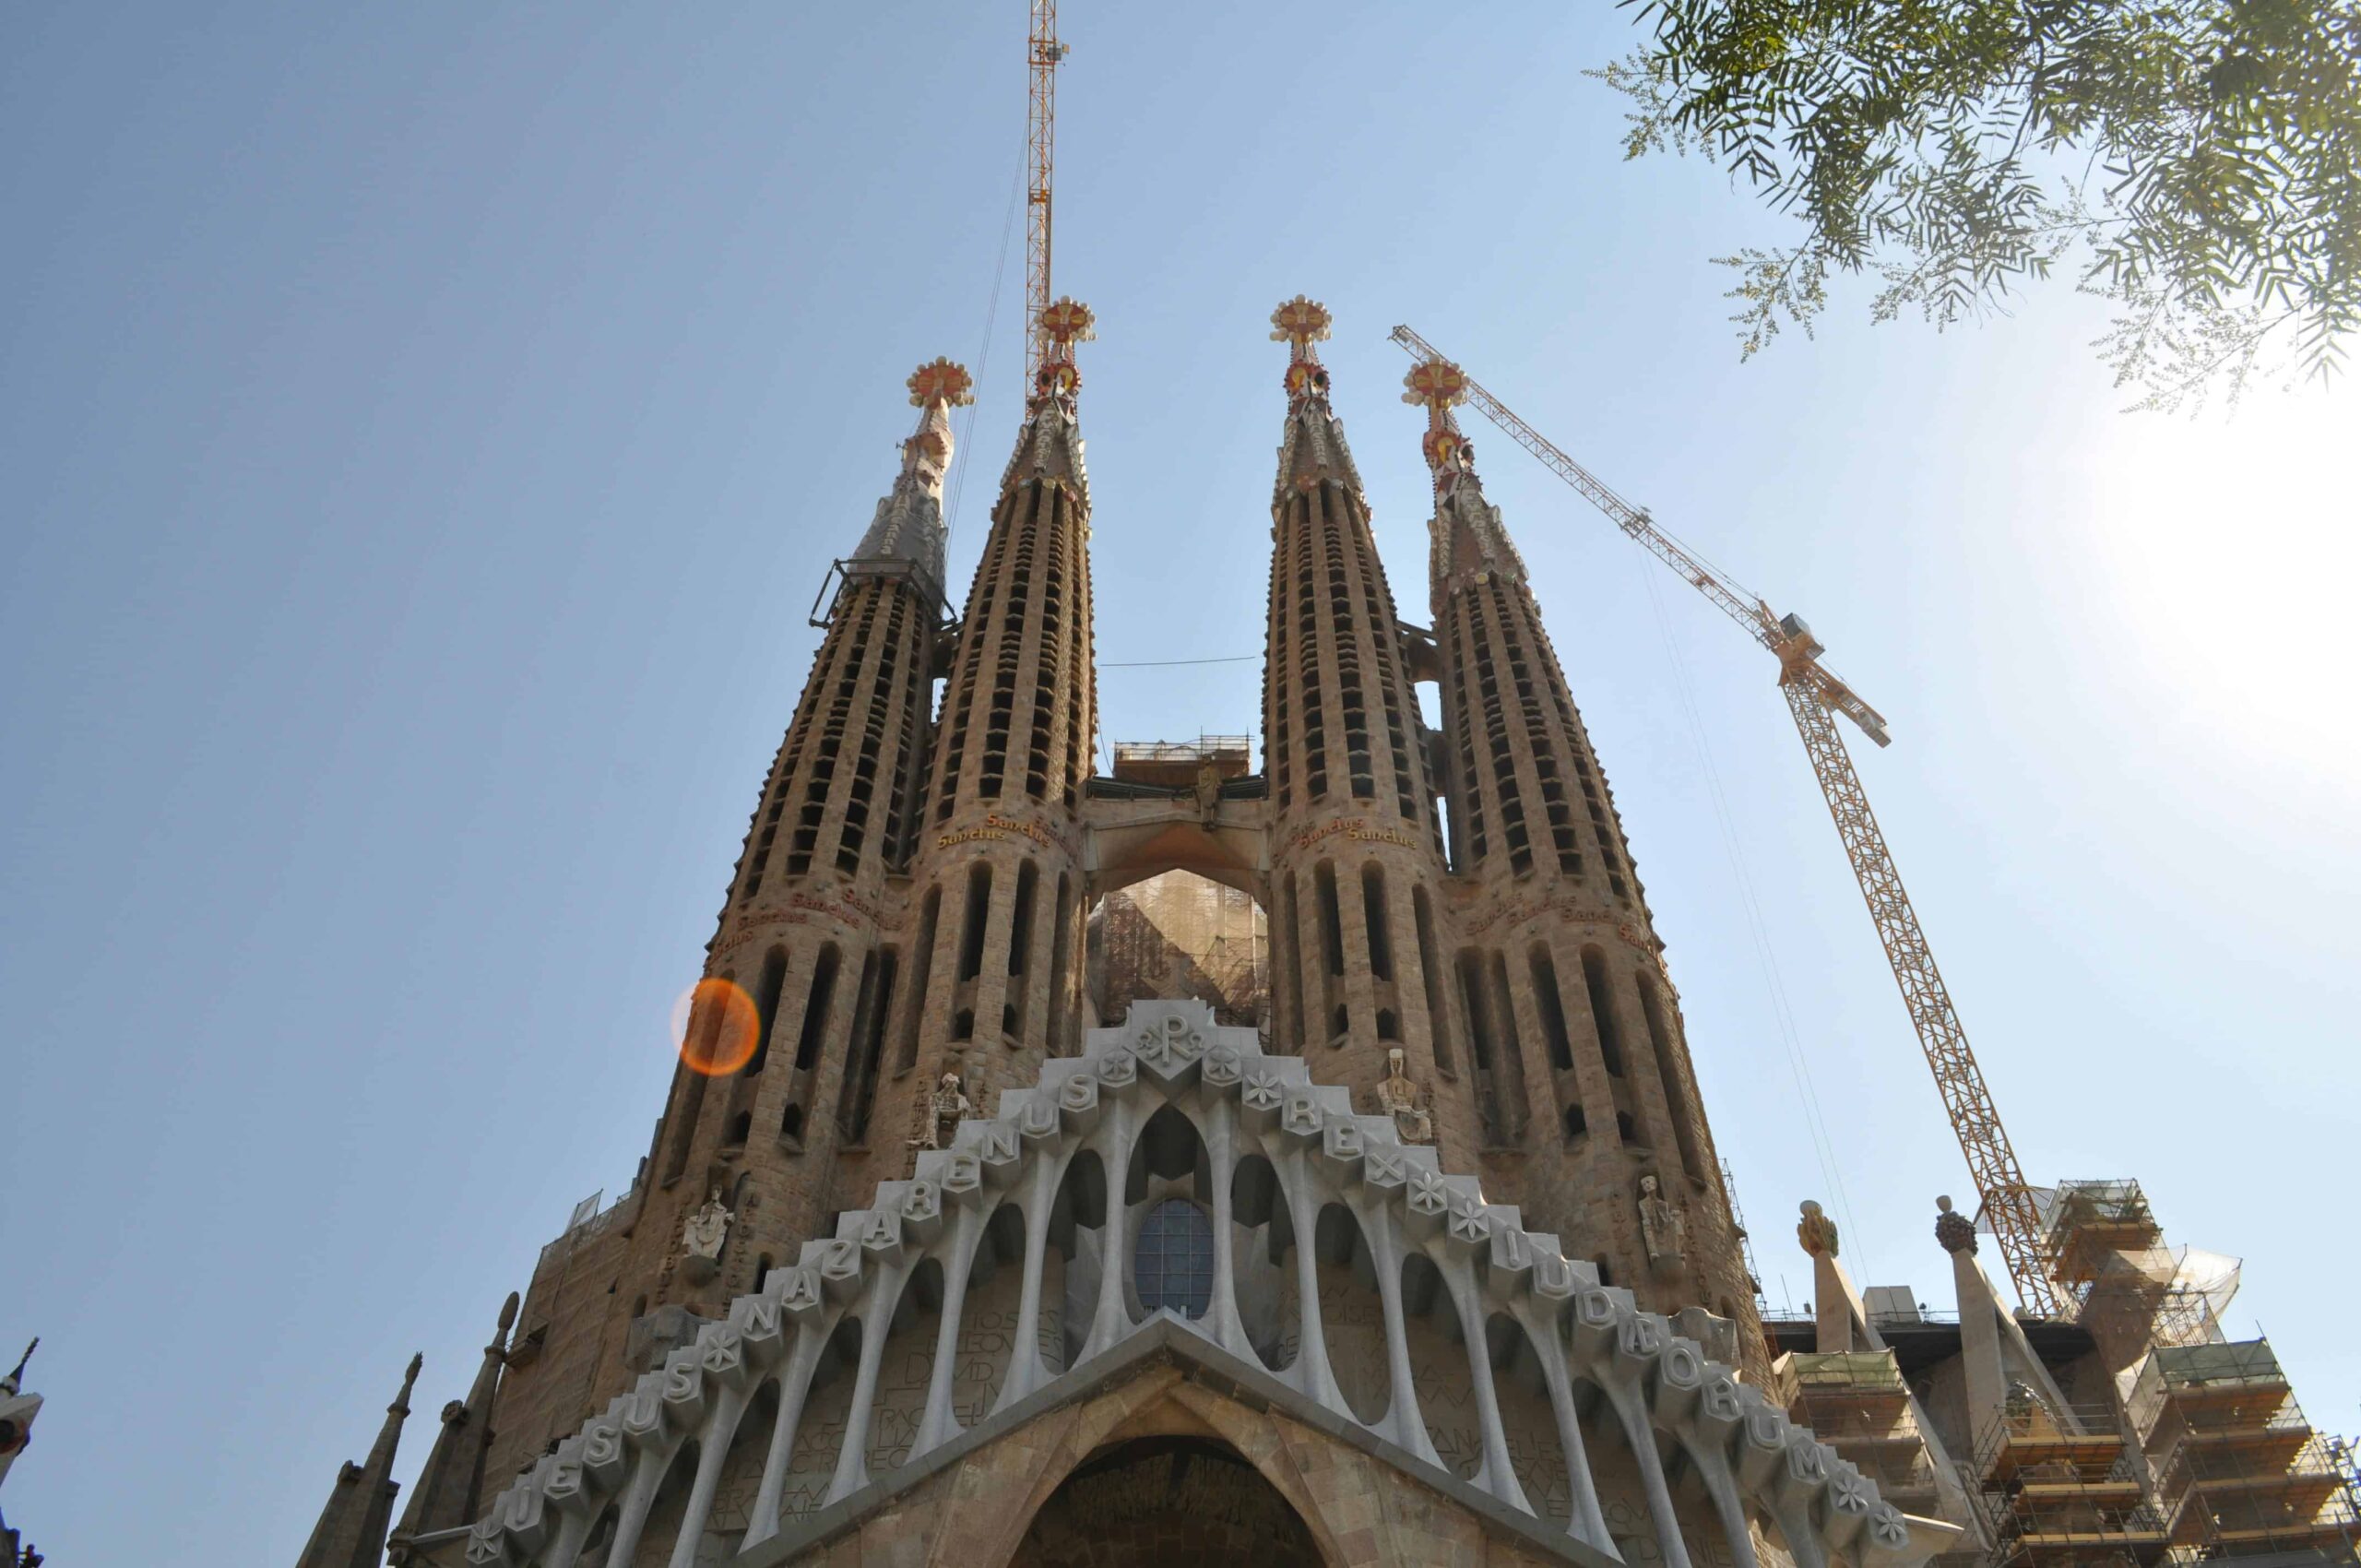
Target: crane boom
[(1814, 694), (1040, 136)]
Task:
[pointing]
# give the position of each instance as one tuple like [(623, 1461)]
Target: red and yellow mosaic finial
[(1300, 323), (940, 380), (1440, 386), (1064, 321), (1439, 383)]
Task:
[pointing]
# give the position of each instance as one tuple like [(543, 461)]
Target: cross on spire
[(1300, 323), (1441, 386), (1066, 321)]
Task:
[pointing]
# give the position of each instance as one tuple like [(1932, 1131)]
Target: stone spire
[(1355, 847), (1313, 448), (352, 1530), (1470, 544), (786, 1027), (909, 530), (1574, 1027), (449, 1490), (997, 882)]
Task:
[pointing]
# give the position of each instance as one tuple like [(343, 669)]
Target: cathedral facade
[(1366, 1211)]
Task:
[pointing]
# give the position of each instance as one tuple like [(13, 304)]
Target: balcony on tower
[(2238, 1466), (1857, 1402)]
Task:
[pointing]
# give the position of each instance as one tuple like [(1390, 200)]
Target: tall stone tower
[(767, 1127), (1578, 1065), (1355, 848), (998, 878)]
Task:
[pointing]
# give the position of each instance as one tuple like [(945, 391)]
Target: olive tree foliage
[(2196, 162)]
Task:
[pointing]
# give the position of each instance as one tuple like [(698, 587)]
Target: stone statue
[(1398, 1097), (1208, 790), (1663, 1228), (1816, 1232), (946, 1106), (706, 1229)]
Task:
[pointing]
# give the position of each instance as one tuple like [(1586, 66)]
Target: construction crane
[(1041, 138), (1814, 697)]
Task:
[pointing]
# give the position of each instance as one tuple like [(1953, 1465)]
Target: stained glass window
[(1174, 1264)]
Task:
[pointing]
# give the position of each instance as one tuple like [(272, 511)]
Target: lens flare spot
[(714, 1026)]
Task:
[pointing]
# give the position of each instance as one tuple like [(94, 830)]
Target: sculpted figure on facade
[(1209, 791), (707, 1228), (945, 1107), (1663, 1228), (1400, 1097)]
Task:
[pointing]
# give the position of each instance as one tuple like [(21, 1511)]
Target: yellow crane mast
[(1041, 134), (1814, 697)]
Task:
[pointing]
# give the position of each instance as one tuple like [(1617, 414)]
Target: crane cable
[(1798, 1066)]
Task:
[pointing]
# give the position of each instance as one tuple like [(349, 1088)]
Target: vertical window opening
[(1602, 1011), (1381, 943), (1684, 1116), (922, 961), (1020, 918), (971, 936), (1060, 956), (1431, 971), (1290, 938), (766, 999), (1173, 1265), (815, 1010), (867, 1033), (1332, 919), (1552, 1010)]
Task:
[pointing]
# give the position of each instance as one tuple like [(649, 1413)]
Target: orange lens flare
[(713, 1025)]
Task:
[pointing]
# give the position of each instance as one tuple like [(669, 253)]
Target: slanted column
[(1979, 1324), (1024, 1372)]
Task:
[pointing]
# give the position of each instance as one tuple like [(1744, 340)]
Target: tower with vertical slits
[(996, 882), (1355, 848), (1577, 1056), (776, 1102)]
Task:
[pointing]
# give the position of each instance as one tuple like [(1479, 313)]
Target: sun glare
[(714, 1028), (2229, 546)]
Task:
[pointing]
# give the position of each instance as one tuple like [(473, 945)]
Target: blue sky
[(426, 428)]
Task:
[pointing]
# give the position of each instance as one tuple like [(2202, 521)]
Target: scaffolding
[(2232, 1459), (1174, 765), (1180, 935), (2122, 1282), (1857, 1402), (2061, 1488)]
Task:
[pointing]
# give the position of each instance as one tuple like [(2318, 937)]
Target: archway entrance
[(1167, 1502)]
